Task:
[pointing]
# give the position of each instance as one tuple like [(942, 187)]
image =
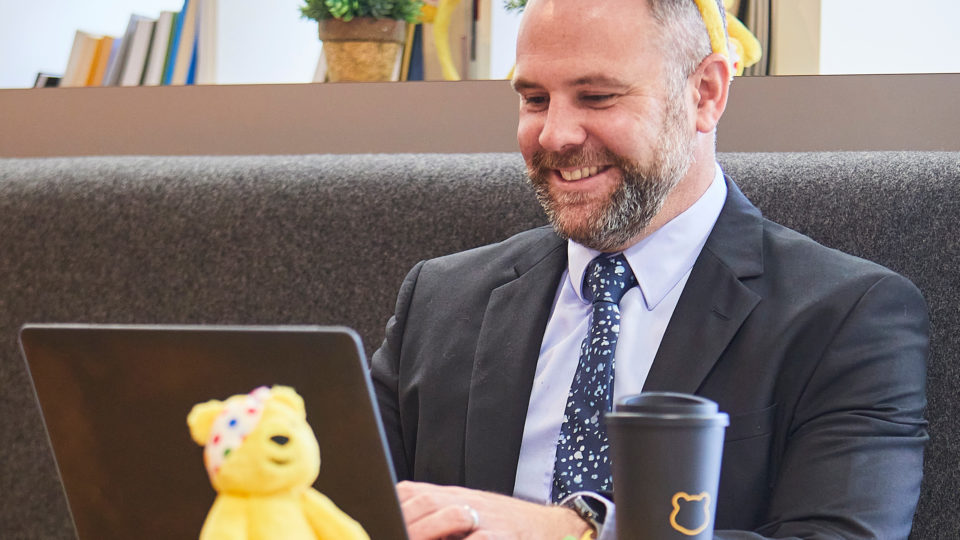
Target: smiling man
[(657, 274)]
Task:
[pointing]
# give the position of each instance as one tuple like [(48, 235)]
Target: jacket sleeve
[(853, 459), (385, 373)]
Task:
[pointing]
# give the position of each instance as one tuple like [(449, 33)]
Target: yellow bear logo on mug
[(703, 499)]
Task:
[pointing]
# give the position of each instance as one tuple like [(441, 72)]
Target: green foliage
[(515, 5), (404, 10)]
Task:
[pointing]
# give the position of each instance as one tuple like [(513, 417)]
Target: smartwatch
[(589, 508)]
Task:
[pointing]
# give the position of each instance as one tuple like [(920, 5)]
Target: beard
[(613, 220)]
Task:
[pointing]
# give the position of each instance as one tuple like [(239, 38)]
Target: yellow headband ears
[(714, 21), (747, 48)]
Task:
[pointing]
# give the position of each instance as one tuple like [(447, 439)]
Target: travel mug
[(666, 450)]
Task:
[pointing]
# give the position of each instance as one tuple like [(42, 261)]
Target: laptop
[(115, 401)]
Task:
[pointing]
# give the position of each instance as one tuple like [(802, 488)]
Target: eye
[(534, 101), (280, 439), (598, 99)]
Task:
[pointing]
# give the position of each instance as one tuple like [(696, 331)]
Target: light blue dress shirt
[(662, 264)]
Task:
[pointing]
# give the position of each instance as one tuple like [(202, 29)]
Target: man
[(817, 356)]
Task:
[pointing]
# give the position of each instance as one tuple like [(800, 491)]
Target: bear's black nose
[(280, 439)]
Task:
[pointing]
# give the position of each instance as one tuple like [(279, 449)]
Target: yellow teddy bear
[(262, 459)]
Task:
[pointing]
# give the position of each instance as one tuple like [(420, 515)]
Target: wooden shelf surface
[(797, 113)]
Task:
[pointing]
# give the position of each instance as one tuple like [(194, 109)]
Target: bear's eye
[(280, 439)]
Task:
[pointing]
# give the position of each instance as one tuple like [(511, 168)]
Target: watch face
[(591, 510)]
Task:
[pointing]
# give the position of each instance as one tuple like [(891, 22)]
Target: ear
[(200, 420), (290, 397), (712, 85)]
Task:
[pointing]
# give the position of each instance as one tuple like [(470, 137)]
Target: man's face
[(604, 135)]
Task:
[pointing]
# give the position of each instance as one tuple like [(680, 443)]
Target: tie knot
[(607, 279)]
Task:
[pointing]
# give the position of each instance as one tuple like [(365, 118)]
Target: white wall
[(889, 36), (266, 41), (503, 48), (259, 40)]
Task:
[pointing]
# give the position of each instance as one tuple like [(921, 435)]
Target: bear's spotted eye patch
[(280, 439)]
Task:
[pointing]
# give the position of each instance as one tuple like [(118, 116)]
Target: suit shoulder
[(525, 247), (805, 260)]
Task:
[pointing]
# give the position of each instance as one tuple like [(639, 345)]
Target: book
[(192, 72), (186, 35), (114, 52), (47, 80), (171, 49), (174, 44), (415, 69), (101, 59), (136, 59), (153, 74), (115, 70), (206, 64), (81, 59), (407, 52), (482, 35)]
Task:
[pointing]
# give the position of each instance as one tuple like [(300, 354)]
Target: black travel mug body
[(666, 450)]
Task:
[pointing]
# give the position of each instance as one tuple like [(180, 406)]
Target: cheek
[(627, 137), (528, 134)]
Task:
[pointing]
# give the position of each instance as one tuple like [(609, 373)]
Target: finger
[(426, 500), (419, 500), (454, 520), (417, 508), (407, 489)]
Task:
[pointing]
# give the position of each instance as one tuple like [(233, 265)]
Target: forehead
[(615, 37)]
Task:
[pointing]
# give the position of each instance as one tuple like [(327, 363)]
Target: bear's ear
[(201, 419), (290, 397)]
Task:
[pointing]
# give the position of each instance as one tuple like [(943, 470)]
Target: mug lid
[(666, 403)]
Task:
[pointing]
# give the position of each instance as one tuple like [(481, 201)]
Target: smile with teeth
[(581, 173)]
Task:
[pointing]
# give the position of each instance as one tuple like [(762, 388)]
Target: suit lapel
[(714, 302), (506, 359), (711, 309)]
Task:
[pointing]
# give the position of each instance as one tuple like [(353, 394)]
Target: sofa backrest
[(288, 239)]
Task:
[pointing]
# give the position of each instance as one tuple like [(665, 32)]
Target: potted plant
[(362, 39)]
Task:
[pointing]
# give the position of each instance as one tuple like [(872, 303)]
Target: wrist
[(575, 527), (590, 509)]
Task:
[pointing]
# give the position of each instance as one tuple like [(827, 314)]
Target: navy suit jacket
[(818, 357)]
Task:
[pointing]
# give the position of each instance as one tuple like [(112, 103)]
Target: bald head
[(681, 37)]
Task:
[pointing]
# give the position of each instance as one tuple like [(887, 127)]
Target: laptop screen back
[(115, 401)]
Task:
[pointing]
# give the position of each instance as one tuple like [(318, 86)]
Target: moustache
[(543, 160)]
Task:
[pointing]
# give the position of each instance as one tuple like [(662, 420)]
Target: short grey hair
[(685, 40)]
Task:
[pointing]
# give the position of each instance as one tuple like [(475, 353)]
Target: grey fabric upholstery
[(266, 240)]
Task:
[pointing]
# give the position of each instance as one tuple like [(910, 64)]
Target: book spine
[(192, 72), (175, 45), (185, 45), (153, 75)]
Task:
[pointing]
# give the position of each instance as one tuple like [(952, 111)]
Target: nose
[(280, 439), (562, 128)]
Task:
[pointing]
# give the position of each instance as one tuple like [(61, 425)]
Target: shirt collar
[(662, 259)]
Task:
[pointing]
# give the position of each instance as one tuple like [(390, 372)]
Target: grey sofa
[(287, 239)]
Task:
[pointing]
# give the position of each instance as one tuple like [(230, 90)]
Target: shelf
[(801, 113)]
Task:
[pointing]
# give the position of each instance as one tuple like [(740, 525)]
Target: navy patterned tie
[(583, 451)]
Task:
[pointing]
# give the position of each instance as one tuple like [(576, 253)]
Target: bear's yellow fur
[(264, 477)]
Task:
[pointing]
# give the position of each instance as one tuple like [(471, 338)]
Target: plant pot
[(363, 49)]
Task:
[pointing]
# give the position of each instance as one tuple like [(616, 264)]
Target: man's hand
[(440, 512)]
